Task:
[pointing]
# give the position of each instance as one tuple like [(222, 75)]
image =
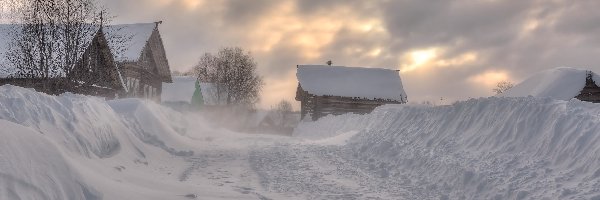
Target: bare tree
[(51, 36), (283, 110), (502, 87), (233, 71)]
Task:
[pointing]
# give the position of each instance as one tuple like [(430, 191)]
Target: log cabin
[(135, 68), (591, 91), (336, 90)]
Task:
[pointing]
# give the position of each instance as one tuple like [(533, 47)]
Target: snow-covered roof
[(5, 38), (135, 38), (181, 90), (369, 83), (138, 34), (560, 83)]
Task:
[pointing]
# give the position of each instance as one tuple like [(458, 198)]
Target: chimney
[(157, 23)]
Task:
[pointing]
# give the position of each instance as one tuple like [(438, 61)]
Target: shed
[(324, 90)]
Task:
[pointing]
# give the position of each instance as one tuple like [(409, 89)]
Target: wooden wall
[(144, 78), (154, 59), (320, 106), (140, 83), (96, 66)]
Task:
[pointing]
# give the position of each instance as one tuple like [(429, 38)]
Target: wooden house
[(135, 68), (120, 61), (324, 90), (591, 91)]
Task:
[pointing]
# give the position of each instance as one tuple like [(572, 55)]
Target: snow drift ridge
[(48, 142), (561, 83), (490, 148)]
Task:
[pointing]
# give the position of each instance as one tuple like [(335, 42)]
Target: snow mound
[(80, 147), (559, 83), (153, 124), (369, 83), (493, 148), (85, 125), (33, 168)]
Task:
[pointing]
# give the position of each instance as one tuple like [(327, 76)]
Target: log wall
[(320, 106), (140, 83)]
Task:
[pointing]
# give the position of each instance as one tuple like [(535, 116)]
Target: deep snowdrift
[(494, 148), (80, 147), (33, 168), (561, 83)]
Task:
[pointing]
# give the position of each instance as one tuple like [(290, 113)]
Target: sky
[(446, 50)]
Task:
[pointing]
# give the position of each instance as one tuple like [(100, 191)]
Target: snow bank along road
[(77, 147)]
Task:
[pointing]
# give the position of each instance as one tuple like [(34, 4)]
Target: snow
[(34, 168), (369, 83), (80, 147), (491, 148), (138, 33), (5, 37), (558, 83)]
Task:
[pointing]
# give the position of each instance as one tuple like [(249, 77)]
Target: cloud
[(244, 12)]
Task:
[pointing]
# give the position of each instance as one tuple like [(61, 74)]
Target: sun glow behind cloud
[(426, 59), (193, 4), (418, 58), (309, 36), (490, 78), (283, 25)]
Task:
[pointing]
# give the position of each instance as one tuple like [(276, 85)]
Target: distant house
[(135, 66), (324, 90), (559, 83), (179, 93), (591, 91)]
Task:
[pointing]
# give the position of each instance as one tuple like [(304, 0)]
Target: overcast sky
[(456, 49)]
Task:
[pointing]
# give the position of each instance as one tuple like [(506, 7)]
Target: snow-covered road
[(292, 170)]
